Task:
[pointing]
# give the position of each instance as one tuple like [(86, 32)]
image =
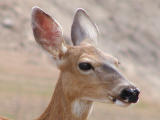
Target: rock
[(8, 23)]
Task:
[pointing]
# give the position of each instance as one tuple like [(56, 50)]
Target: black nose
[(130, 94)]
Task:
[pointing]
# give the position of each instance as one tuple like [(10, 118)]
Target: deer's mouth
[(118, 101)]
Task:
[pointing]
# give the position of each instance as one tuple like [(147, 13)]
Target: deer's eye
[(85, 66)]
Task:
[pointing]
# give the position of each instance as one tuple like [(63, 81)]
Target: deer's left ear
[(83, 29), (47, 32)]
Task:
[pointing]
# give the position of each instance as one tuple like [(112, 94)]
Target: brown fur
[(72, 85), (77, 88), (1, 118), (60, 106)]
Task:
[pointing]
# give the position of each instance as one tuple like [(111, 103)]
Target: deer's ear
[(83, 29), (47, 31)]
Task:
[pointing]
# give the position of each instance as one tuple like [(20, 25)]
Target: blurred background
[(129, 30)]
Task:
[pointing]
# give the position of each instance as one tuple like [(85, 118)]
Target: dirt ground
[(129, 30)]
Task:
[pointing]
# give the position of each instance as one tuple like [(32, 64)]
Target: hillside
[(129, 30)]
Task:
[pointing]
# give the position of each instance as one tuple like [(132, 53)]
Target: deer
[(87, 74)]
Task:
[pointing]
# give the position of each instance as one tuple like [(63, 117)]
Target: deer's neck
[(63, 108)]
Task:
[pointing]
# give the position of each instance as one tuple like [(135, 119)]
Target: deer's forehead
[(84, 51), (90, 53)]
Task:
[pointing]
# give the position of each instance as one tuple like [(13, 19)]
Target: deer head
[(86, 72)]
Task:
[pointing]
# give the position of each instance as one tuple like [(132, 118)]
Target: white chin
[(120, 103)]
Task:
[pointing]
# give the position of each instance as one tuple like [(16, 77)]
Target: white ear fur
[(83, 29)]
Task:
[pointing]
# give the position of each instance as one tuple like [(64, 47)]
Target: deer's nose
[(130, 95)]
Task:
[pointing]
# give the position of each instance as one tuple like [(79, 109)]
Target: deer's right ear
[(47, 32)]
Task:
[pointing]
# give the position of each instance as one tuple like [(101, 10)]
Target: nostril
[(126, 93), (136, 91), (130, 94)]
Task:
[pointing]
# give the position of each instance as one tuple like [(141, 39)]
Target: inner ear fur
[(83, 29), (47, 32)]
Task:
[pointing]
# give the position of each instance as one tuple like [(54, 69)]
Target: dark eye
[(85, 66)]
